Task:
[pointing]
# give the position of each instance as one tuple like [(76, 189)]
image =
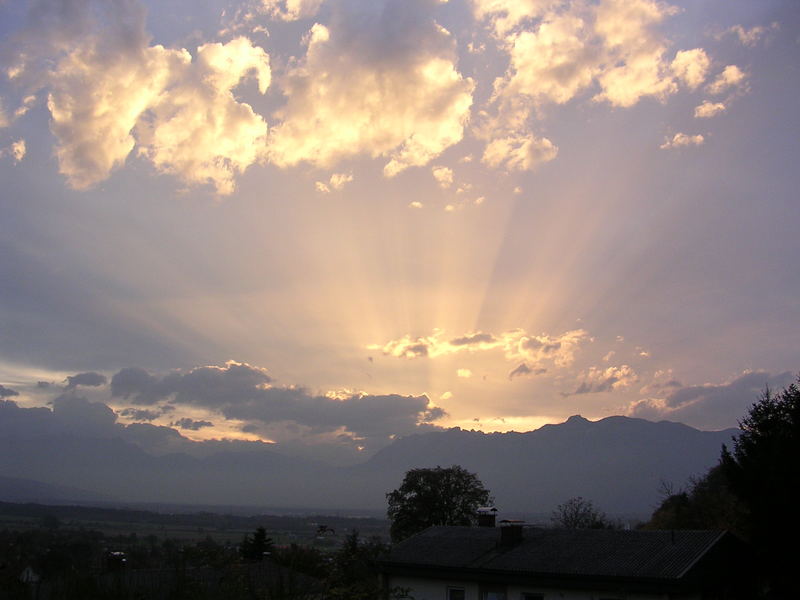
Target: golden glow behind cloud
[(453, 200), (349, 96)]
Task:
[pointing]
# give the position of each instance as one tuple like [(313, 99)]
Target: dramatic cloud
[(708, 109), (201, 386), (711, 406), (682, 140), (241, 391), (230, 136), (108, 90), (381, 80), (560, 49)]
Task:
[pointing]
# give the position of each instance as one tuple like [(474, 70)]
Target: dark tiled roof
[(665, 555)]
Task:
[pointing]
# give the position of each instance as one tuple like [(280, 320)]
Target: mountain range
[(619, 463)]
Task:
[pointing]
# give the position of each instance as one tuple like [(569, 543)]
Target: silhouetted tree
[(439, 496), (708, 503), (254, 547), (763, 471), (579, 513)]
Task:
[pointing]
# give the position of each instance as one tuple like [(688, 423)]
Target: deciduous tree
[(438, 496), (579, 513)]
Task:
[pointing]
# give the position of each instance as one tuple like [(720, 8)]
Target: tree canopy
[(752, 491), (579, 513), (438, 496), (763, 471)]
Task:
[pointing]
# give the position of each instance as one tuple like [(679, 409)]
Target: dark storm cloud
[(713, 406), (475, 338), (77, 413), (367, 416), (191, 424), (7, 392), (140, 414), (90, 379), (241, 391), (202, 386), (524, 370)]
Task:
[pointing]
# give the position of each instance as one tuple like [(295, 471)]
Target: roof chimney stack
[(510, 532), (487, 516)]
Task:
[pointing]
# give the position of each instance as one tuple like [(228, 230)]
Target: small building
[(514, 562)]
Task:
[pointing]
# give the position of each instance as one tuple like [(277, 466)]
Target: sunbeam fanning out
[(325, 225)]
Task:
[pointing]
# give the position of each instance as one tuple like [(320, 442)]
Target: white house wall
[(436, 589)]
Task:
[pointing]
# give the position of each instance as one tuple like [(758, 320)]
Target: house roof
[(659, 555)]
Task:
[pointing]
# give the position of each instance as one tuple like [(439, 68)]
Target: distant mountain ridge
[(617, 462), (16, 489)]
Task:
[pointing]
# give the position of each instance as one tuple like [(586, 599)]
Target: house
[(514, 562)]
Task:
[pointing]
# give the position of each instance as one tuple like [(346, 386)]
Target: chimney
[(486, 516), (510, 532)]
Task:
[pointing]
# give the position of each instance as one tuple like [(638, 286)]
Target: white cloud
[(682, 140), (505, 15), (443, 176), (415, 204), (336, 182), (290, 10), (465, 373), (108, 90), (339, 180), (558, 50), (639, 68), (198, 130), (536, 351), (708, 109), (519, 153), (731, 76), (382, 84), (96, 96), (749, 37), (691, 66), (16, 150), (23, 108), (597, 379), (554, 62)]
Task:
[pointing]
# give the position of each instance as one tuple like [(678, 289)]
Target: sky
[(330, 223)]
